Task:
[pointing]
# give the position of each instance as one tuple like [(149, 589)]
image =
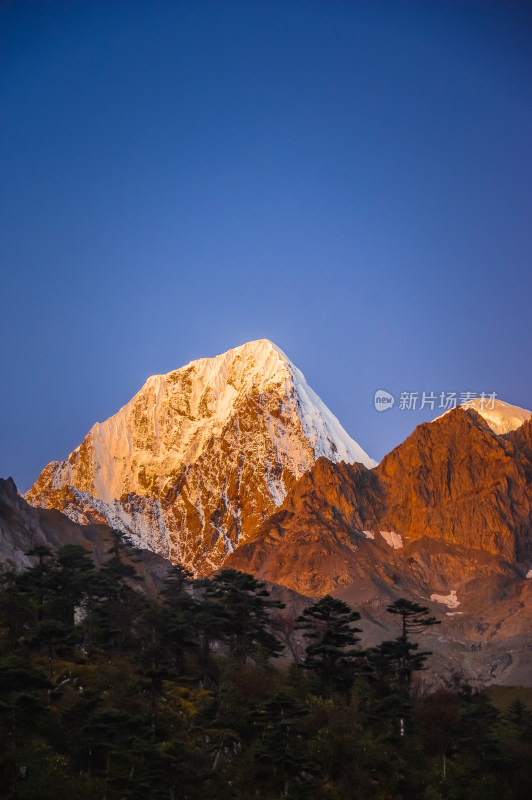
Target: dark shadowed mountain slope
[(23, 527)]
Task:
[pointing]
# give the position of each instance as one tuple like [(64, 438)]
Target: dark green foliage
[(283, 760), (414, 618), (394, 661), (106, 695), (331, 653), (235, 612), (518, 718)]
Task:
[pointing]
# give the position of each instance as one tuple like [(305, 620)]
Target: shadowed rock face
[(23, 527), (200, 456), (445, 519)]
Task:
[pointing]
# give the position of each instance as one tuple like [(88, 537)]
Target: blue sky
[(349, 179)]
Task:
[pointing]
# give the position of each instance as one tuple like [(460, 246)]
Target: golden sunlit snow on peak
[(201, 455)]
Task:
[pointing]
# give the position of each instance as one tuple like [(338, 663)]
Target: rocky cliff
[(445, 519), (453, 482), (200, 456)]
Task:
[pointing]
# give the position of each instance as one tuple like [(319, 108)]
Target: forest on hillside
[(108, 694)]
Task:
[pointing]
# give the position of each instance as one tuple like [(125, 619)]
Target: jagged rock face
[(457, 481), (200, 456), (452, 483), (309, 545), (522, 440), (445, 519)]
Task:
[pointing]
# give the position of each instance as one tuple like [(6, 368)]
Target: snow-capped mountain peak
[(201, 455), (500, 416)]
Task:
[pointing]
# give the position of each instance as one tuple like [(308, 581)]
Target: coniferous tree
[(414, 617), (518, 718), (115, 618), (236, 612), (17, 613), (23, 711), (180, 609), (35, 581), (133, 719), (394, 661), (73, 571), (332, 653)]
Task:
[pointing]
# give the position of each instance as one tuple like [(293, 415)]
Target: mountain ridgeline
[(200, 456), (234, 461)]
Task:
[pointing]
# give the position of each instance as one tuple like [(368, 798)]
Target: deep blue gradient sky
[(349, 179)]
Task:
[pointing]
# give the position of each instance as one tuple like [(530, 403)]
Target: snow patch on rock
[(392, 539), (450, 600)]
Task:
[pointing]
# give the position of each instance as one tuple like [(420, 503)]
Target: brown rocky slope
[(445, 519)]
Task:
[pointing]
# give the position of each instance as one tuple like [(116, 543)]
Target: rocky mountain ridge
[(452, 481), (22, 528), (200, 456), (234, 461), (445, 519)]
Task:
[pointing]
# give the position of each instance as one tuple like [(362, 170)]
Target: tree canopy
[(106, 694)]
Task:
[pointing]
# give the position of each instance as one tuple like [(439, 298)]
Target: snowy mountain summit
[(200, 456), (500, 416)]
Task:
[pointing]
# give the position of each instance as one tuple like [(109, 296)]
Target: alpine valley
[(235, 461)]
